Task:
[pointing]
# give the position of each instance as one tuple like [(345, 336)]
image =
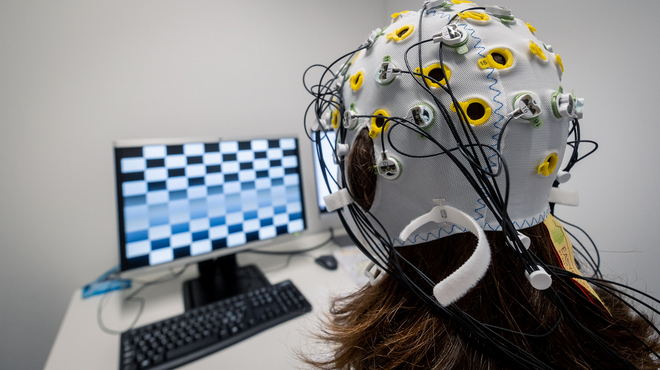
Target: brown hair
[(361, 175), (387, 326)]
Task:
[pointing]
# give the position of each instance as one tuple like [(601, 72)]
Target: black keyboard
[(203, 330)]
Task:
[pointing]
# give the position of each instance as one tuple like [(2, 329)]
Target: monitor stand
[(221, 278), (343, 240)]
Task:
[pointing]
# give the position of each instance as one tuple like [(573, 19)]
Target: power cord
[(132, 297), (173, 275)]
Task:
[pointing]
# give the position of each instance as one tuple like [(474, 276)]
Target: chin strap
[(468, 275)]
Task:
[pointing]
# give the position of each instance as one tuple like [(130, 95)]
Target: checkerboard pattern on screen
[(190, 199)]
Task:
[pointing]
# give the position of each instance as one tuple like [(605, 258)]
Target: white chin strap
[(468, 275)]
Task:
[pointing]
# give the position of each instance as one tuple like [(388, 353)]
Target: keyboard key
[(158, 359), (191, 347)]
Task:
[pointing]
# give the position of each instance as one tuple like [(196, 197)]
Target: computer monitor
[(327, 141), (183, 201)]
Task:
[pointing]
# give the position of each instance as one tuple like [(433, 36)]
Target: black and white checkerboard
[(182, 200)]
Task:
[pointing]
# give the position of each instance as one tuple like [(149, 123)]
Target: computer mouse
[(328, 262)]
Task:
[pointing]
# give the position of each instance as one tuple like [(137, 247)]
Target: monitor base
[(343, 240), (221, 278)]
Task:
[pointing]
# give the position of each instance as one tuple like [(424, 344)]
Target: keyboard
[(201, 331)]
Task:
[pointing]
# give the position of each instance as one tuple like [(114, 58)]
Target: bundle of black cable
[(387, 326)]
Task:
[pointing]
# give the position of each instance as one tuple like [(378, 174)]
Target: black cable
[(550, 331), (613, 291), (584, 258), (554, 297), (597, 262), (493, 192), (480, 173), (595, 266), (131, 297)]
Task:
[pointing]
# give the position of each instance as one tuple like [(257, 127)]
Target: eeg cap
[(501, 75)]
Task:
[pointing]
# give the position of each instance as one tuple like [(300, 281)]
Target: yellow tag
[(543, 169), (535, 49), (474, 15), (561, 65), (401, 33), (335, 119), (483, 63), (549, 165), (395, 15), (356, 80), (532, 29), (564, 251)]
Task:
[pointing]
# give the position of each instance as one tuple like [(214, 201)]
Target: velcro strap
[(337, 200), (565, 197)]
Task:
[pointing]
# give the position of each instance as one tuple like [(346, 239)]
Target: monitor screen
[(321, 187), (194, 198)]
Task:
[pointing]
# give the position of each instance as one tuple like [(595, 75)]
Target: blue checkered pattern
[(190, 199)]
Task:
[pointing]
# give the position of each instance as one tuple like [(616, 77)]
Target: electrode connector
[(453, 37), (388, 167), (387, 73)]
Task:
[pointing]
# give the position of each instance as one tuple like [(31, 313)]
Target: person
[(451, 127)]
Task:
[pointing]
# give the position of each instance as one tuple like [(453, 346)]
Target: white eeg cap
[(507, 71)]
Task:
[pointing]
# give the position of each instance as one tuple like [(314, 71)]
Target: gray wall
[(77, 75)]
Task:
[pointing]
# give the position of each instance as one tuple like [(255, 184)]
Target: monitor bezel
[(323, 213), (257, 244)]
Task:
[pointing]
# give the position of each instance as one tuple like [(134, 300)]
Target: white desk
[(81, 344)]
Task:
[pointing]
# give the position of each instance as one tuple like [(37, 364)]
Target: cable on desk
[(174, 275), (131, 297)]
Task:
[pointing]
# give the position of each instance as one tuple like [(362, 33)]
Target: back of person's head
[(451, 127), (387, 326)]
